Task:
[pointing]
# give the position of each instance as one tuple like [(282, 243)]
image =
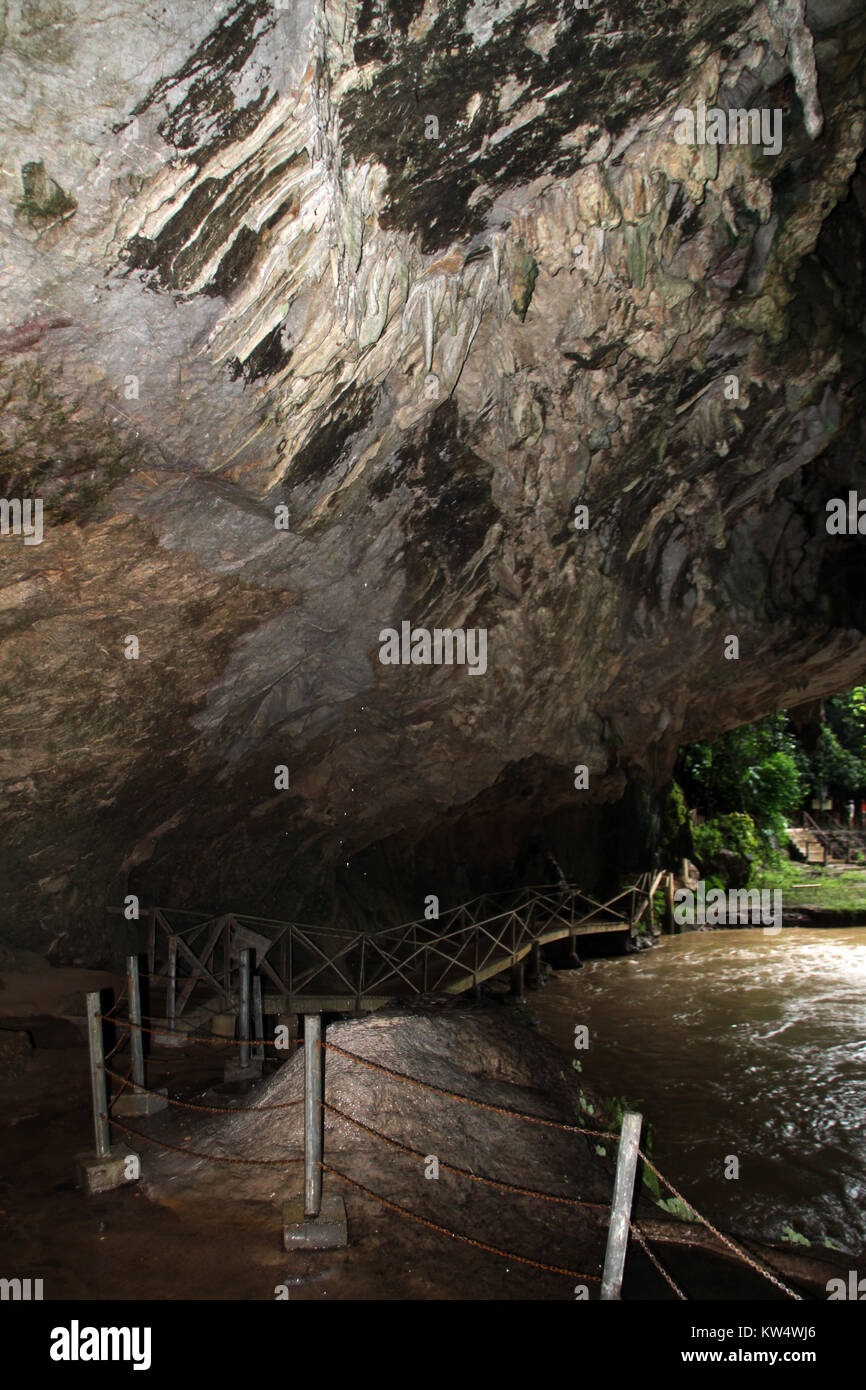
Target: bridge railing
[(303, 962)]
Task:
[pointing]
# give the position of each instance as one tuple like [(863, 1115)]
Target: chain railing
[(119, 1168)]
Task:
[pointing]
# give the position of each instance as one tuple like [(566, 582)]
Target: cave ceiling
[(322, 318)]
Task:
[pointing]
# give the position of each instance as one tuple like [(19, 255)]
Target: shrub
[(734, 832)]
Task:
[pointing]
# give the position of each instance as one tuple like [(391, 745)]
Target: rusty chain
[(756, 1265), (464, 1172), (467, 1100)]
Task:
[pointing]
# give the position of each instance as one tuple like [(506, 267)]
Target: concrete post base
[(119, 1167), (327, 1231), (235, 1072), (134, 1103)]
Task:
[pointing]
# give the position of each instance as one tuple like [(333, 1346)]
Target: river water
[(737, 1044)]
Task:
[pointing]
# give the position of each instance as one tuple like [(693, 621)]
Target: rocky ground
[(193, 1229)]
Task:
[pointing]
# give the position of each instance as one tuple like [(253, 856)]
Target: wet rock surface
[(430, 277), (479, 1054), (121, 1245), (15, 1050)]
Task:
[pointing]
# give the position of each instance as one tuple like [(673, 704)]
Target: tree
[(838, 764), (757, 770), (770, 769)]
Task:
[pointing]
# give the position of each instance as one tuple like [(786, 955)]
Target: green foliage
[(651, 1183), (839, 892), (585, 1104), (770, 769), (714, 881), (793, 1237), (44, 200), (756, 771), (735, 831), (674, 1206), (674, 820), (736, 834), (836, 767), (846, 716), (615, 1108)]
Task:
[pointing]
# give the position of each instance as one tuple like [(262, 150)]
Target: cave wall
[(429, 276)]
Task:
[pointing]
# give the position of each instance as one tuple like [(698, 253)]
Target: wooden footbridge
[(318, 969)]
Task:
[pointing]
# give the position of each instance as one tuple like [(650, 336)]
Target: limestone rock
[(319, 318)]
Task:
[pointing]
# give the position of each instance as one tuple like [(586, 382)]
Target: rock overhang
[(275, 290)]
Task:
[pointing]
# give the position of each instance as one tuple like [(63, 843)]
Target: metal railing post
[(312, 1114), (670, 920), (136, 1041), (258, 1020), (620, 1212), (97, 1076), (171, 1000), (535, 963), (517, 982), (244, 1021)]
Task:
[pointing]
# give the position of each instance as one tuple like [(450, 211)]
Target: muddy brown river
[(738, 1045)]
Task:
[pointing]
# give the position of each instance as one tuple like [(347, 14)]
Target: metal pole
[(312, 1114), (360, 993), (97, 1076), (670, 921), (623, 1196), (535, 963), (244, 1021), (258, 1019), (136, 1041), (517, 980), (171, 1000)]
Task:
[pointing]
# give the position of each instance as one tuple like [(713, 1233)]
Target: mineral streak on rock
[(427, 274)]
